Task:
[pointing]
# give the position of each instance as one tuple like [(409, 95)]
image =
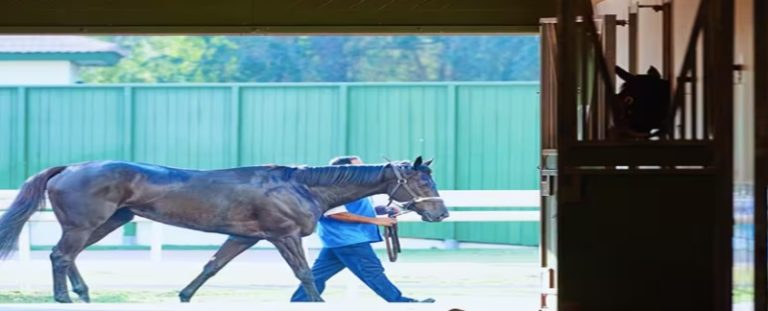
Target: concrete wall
[(37, 72)]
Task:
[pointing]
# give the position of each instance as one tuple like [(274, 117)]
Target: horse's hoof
[(62, 299), (83, 295), (184, 298)]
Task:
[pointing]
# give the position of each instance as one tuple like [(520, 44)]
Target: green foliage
[(320, 59)]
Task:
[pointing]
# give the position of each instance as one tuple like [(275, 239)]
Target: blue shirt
[(336, 233)]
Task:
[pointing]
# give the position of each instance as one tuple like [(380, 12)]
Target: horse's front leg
[(233, 247), (293, 253)]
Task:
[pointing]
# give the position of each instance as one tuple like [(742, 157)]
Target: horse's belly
[(202, 219)]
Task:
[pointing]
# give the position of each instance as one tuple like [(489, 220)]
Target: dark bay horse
[(280, 204), (642, 107)]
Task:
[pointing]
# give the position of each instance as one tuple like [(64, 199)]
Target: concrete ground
[(490, 279)]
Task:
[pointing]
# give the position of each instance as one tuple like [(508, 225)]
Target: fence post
[(156, 242), (25, 247)]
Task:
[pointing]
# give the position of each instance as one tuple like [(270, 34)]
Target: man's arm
[(349, 217), (340, 213)]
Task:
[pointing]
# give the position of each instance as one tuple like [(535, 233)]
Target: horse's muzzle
[(437, 217)]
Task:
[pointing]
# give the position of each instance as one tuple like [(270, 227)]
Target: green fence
[(482, 135)]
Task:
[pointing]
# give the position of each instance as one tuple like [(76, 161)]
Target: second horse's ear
[(653, 72), (427, 162), (624, 75)]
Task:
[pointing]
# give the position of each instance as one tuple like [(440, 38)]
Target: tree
[(321, 58)]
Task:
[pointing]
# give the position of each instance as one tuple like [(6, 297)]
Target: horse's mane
[(338, 174)]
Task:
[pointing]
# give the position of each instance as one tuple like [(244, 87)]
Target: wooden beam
[(272, 16)]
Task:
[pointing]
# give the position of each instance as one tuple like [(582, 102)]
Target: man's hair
[(343, 160)]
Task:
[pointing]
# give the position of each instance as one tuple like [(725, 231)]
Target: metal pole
[(633, 26), (761, 154)]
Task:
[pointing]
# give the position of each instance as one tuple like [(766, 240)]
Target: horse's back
[(247, 201)]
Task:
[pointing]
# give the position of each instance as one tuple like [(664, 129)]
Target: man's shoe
[(428, 300)]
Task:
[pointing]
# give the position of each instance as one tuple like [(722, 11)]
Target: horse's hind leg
[(63, 256), (117, 220), (291, 250), (79, 216), (229, 250)]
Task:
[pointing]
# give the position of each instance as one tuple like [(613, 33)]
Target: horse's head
[(413, 184), (645, 99)]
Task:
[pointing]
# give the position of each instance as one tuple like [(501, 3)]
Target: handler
[(347, 233)]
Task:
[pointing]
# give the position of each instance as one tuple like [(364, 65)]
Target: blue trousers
[(362, 261)]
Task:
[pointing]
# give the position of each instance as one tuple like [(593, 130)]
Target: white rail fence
[(453, 198)]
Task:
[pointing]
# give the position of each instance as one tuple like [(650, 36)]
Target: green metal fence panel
[(189, 127), (490, 160), (11, 137), (402, 122), (291, 125), (67, 125), (481, 135)]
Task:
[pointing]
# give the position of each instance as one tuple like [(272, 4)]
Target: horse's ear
[(427, 162), (417, 163), (624, 75), (653, 72)]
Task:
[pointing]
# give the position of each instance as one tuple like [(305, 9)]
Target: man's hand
[(386, 210), (385, 221)]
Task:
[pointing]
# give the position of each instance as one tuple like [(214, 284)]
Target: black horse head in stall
[(641, 109)]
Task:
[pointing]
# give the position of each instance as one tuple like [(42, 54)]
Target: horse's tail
[(27, 202)]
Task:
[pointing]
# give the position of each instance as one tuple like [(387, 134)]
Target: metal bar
[(605, 91), (689, 63), (718, 96), (584, 56), (566, 68), (236, 125), (156, 245), (668, 56), (591, 31), (127, 127), (761, 154), (633, 27), (23, 102), (566, 98), (697, 134), (25, 247)]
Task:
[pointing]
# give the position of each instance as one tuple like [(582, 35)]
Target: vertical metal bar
[(668, 46), (23, 101), (668, 57), (566, 102), (633, 25), (156, 241), (25, 244), (761, 154), (19, 134), (689, 64), (583, 85), (604, 91), (546, 136), (344, 118), (127, 120), (697, 133), (718, 95), (697, 129), (236, 130)]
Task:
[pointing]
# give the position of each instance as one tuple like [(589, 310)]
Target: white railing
[(452, 198)]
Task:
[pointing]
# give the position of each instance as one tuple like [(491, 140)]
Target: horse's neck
[(333, 196), (350, 183)]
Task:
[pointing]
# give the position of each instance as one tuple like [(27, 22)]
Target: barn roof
[(78, 49)]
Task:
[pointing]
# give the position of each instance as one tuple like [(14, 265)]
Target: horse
[(642, 106), (280, 204)]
